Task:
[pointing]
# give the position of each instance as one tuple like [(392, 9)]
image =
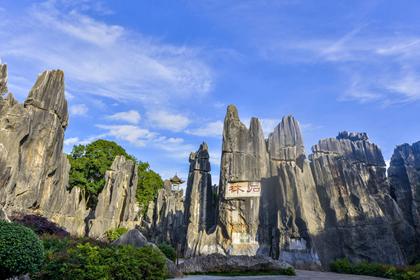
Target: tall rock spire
[(3, 79), (200, 204), (32, 137)]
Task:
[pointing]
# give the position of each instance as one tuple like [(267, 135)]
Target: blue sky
[(156, 76)]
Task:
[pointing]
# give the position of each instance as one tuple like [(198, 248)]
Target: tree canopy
[(90, 162)]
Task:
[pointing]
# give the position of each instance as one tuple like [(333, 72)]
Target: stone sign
[(243, 189)]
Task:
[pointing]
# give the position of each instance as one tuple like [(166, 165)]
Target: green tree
[(89, 164), (148, 185)]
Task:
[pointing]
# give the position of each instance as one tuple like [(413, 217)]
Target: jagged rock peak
[(353, 146), (199, 160), (286, 142), (353, 136), (48, 94), (232, 113), (3, 79)]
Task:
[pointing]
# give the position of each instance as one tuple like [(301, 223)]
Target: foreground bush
[(376, 269), (81, 259), (114, 234), (21, 251), (168, 250)]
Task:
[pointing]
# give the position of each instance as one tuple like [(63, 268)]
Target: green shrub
[(90, 162), (114, 234), (376, 269), (341, 266), (21, 251), (168, 251), (82, 259), (132, 263)]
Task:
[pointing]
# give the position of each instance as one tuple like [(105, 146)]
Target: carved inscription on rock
[(243, 189)]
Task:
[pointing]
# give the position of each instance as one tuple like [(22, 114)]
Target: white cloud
[(79, 109), (130, 133), (175, 147), (68, 95), (71, 141), (102, 59), (167, 120), (211, 129), (215, 158), (374, 68), (131, 116)]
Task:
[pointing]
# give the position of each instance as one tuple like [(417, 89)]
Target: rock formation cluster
[(275, 201), (164, 220), (34, 171), (272, 200)]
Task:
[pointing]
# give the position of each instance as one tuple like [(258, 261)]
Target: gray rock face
[(350, 176), (134, 238), (266, 204), (117, 205), (3, 79), (222, 263), (200, 205), (290, 213), (3, 215), (404, 178), (244, 159), (34, 171), (164, 221), (275, 202)]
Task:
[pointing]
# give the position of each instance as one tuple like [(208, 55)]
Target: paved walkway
[(300, 275)]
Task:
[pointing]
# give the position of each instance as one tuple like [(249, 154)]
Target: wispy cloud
[(78, 109), (130, 133), (375, 68), (132, 117), (103, 59), (210, 129), (167, 120)]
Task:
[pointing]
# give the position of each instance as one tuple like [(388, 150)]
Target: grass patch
[(376, 269), (287, 271)]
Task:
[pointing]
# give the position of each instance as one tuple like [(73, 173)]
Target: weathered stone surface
[(290, 215), (3, 79), (404, 178), (134, 238), (164, 221), (309, 213), (222, 263), (34, 171), (200, 206), (117, 204), (244, 159), (3, 215), (349, 172)]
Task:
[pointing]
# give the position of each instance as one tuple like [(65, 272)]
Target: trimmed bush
[(114, 234), (83, 259), (168, 251), (21, 251)]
